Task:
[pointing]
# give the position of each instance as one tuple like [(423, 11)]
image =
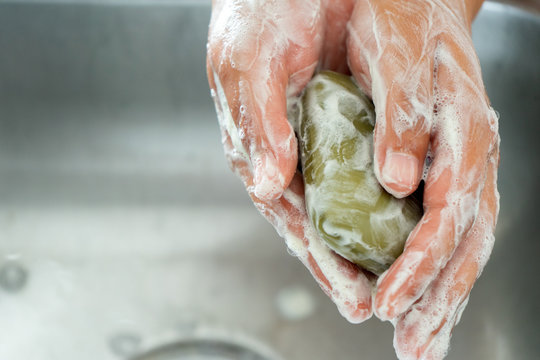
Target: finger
[(393, 48), (259, 111), (343, 282), (424, 331), (334, 52), (464, 134)]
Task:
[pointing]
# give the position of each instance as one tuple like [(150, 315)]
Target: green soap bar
[(354, 215)]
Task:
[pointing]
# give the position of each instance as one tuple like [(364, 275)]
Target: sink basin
[(122, 231)]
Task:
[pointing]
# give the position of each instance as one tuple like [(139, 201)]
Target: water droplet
[(125, 344), (295, 303), (13, 276)]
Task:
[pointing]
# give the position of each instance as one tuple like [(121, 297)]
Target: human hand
[(257, 55), (416, 59), (418, 63)]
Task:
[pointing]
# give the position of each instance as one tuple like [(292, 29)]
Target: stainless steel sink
[(124, 235)]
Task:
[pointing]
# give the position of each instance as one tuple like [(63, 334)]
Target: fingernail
[(268, 179), (400, 171)]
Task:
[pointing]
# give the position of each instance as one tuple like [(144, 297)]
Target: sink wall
[(121, 226)]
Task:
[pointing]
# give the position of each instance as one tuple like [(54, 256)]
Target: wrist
[(467, 8), (473, 7)]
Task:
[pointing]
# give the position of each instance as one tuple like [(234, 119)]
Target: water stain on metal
[(125, 344), (204, 349), (13, 276)]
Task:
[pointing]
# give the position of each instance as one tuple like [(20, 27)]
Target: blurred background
[(123, 235)]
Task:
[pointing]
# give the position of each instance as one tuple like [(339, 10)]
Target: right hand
[(257, 55), (417, 60)]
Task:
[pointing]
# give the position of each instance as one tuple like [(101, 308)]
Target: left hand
[(258, 52)]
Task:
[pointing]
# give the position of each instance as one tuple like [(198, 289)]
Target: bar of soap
[(352, 213)]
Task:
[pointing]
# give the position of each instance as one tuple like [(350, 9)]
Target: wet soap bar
[(354, 215)]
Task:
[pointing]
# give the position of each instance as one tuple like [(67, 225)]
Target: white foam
[(225, 117)]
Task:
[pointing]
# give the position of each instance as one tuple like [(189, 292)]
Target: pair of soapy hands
[(415, 58)]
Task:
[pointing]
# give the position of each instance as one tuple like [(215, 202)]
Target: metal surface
[(117, 206), (204, 349)]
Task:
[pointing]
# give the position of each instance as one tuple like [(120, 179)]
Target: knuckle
[(493, 123), (492, 130)]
